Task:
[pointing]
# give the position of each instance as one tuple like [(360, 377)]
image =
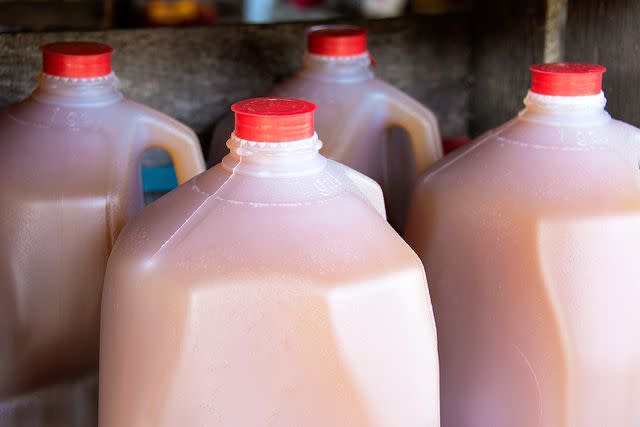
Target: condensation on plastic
[(355, 112), (530, 237), (267, 290), (69, 180)]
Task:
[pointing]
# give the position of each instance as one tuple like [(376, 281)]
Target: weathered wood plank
[(508, 36), (606, 32), (72, 404), (194, 74)]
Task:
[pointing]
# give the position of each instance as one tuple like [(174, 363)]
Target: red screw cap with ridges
[(274, 119), (337, 40), (567, 79), (76, 59)]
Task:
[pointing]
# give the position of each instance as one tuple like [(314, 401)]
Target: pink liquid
[(268, 290), (69, 177), (530, 237)]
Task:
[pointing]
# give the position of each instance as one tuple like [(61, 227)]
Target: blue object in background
[(159, 179), (158, 174)]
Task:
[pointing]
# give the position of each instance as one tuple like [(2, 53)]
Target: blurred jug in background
[(365, 123), (530, 237), (268, 290), (69, 180)]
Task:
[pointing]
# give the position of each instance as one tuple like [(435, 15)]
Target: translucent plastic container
[(365, 123), (530, 237), (69, 180), (268, 290)]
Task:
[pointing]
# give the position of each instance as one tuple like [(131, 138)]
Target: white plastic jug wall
[(279, 294), (69, 180), (530, 239), (356, 115)]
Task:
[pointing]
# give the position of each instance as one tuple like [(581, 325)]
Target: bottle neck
[(269, 159), (337, 68), (96, 91), (565, 110)]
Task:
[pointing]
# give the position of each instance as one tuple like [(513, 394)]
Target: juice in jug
[(530, 238), (267, 291), (69, 180), (365, 123)]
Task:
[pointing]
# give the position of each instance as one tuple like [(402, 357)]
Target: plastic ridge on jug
[(530, 238), (268, 290), (365, 123), (69, 180)]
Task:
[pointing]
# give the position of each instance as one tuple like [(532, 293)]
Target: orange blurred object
[(180, 12)]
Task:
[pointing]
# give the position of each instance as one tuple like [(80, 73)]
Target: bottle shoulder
[(32, 113), (310, 84), (32, 120), (141, 110), (558, 166), (236, 227)]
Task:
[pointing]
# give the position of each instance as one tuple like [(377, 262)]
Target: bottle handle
[(178, 140), (422, 127)]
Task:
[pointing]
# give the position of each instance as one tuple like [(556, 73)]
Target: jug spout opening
[(566, 93), (87, 92), (338, 53), (565, 110), (267, 159), (77, 73), (274, 137)]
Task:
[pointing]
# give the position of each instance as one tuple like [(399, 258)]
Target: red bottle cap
[(274, 119), (337, 40), (566, 79), (76, 59)]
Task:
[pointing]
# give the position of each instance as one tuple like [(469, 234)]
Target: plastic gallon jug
[(69, 180), (364, 122), (267, 291), (530, 238)]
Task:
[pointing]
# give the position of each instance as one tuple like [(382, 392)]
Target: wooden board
[(194, 74), (508, 36), (72, 404), (48, 15), (606, 32)]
